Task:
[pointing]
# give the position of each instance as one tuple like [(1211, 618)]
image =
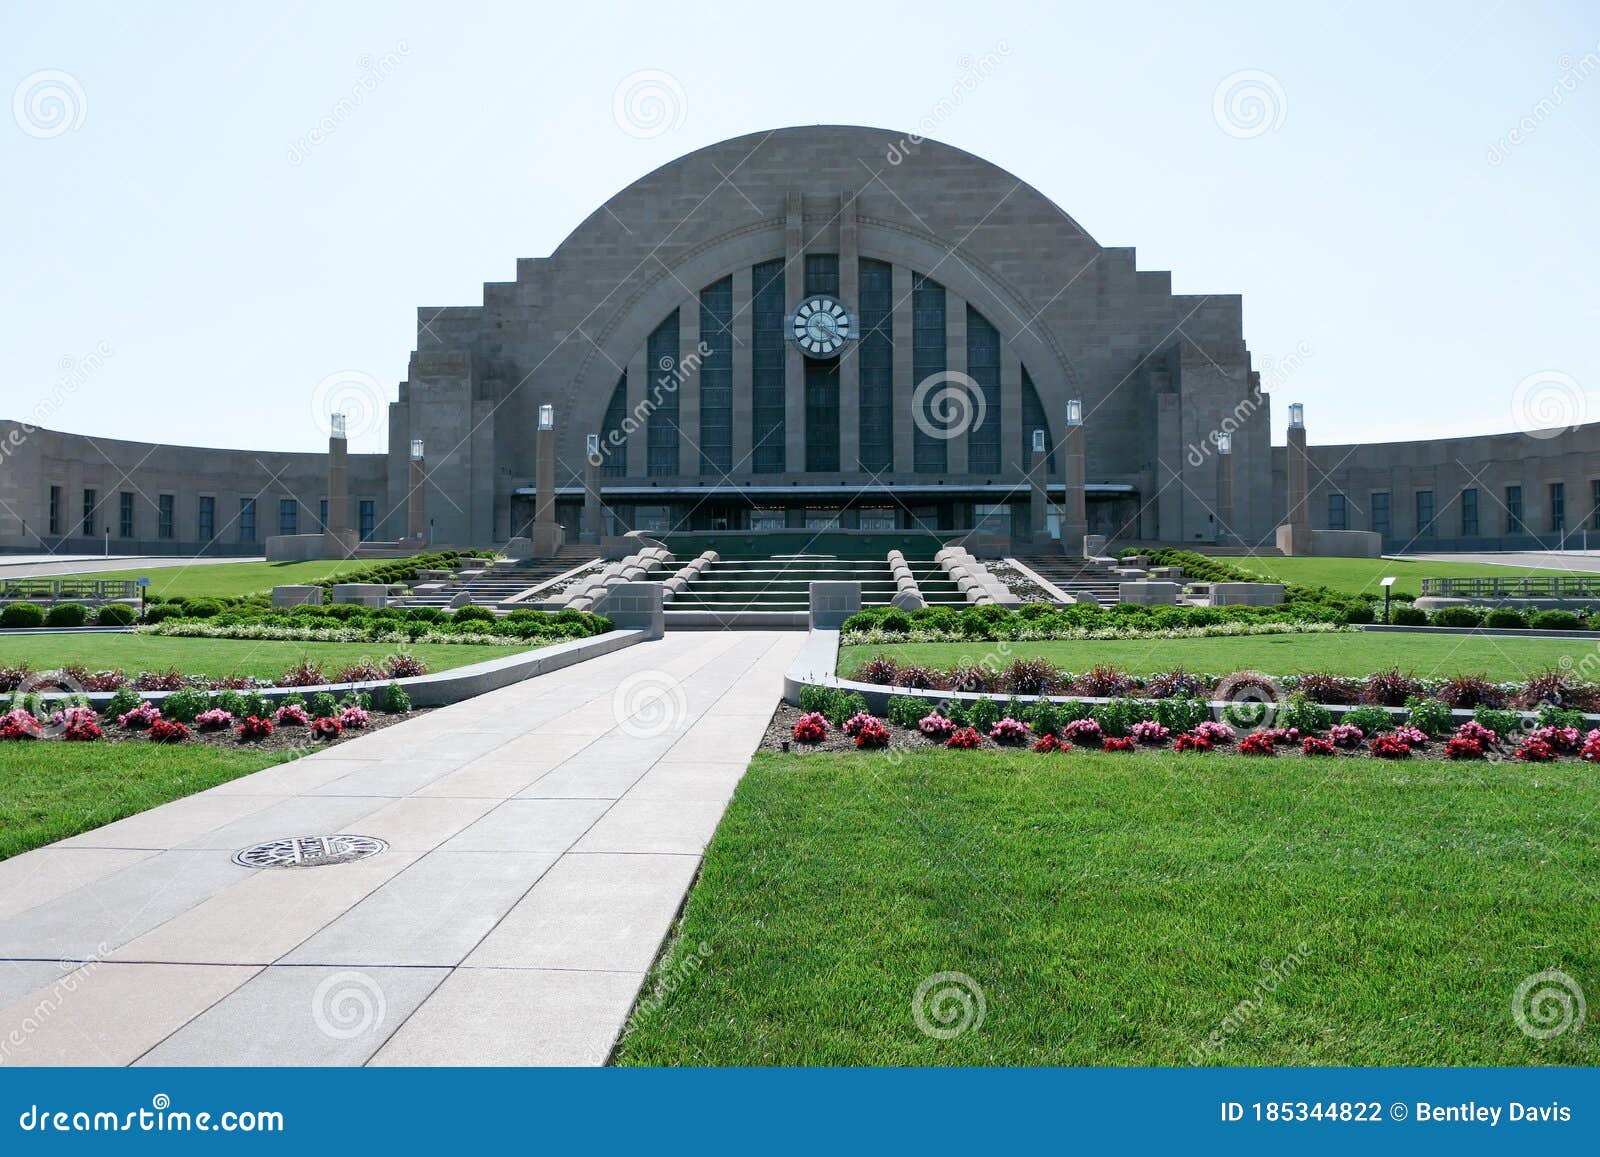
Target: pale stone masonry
[(662, 326)]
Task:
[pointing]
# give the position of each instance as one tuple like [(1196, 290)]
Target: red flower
[(1189, 741), (1119, 743), (872, 733), (812, 728), (1256, 743), (965, 740), (1312, 745), (1464, 747), (255, 727), (168, 731), (1050, 743), (327, 727), (1389, 747), (1536, 751)]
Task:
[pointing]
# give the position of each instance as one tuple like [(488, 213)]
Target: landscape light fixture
[(1075, 412), (547, 417), (1386, 583)]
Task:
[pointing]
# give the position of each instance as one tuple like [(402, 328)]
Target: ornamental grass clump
[(1390, 688)]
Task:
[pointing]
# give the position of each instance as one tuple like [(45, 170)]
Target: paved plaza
[(541, 839)]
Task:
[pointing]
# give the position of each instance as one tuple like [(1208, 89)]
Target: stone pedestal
[(547, 534), (338, 539), (1224, 532), (635, 607), (297, 596), (417, 502), (361, 594), (593, 516), (832, 603), (1294, 536), (1038, 498), (1149, 594)]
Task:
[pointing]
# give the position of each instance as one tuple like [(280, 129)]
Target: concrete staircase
[(783, 583), (503, 583), (1084, 581)]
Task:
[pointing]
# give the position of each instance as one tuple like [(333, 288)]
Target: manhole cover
[(309, 851)]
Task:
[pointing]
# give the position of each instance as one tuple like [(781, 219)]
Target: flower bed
[(1120, 726)]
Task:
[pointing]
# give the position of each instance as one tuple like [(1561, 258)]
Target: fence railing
[(67, 590), (1555, 587)]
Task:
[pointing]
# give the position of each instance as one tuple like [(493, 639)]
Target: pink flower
[(1149, 731)]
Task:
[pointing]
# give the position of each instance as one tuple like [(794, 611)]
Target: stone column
[(955, 361), (1075, 509), (636, 420), (417, 497), (849, 357), (593, 516), (1225, 491), (1168, 499), (1038, 497), (1294, 536), (338, 539), (744, 330), (687, 373), (547, 533)]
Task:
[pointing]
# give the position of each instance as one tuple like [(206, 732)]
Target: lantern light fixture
[(336, 425), (1075, 412), (416, 449), (1224, 443), (1297, 416), (547, 417)]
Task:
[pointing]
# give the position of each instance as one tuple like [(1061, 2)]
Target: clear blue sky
[(1368, 228)]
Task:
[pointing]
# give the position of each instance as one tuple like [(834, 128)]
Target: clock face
[(821, 326)]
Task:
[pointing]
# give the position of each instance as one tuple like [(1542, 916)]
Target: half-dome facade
[(833, 326)]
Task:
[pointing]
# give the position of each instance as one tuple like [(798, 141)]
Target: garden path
[(541, 839)]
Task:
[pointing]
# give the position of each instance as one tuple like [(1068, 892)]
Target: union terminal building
[(822, 327)]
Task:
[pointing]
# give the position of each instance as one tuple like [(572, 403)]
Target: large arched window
[(875, 356), (716, 378), (983, 367), (661, 394), (613, 438)]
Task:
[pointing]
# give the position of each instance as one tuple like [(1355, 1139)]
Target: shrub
[(365, 671), (1469, 691), (1505, 618), (1503, 723), (872, 734), (1305, 714), (125, 700), (1458, 617), (323, 704), (1536, 751), (168, 731), (1101, 681), (1031, 677), (115, 615), (1323, 688), (1116, 717), (67, 615), (255, 727), (1390, 688), (1553, 716), (1371, 720), (395, 699), (184, 705), (305, 673), (214, 719), (880, 670), (811, 728), (1429, 716), (1554, 621), (1045, 718), (474, 615), (1179, 715), (403, 666), (905, 710), (1009, 732), (1256, 743), (896, 622), (141, 718), (1407, 616), (1388, 747), (22, 616), (964, 740)]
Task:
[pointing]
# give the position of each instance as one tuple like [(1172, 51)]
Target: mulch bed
[(282, 738), (780, 737)]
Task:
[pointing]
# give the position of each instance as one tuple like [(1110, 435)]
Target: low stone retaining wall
[(446, 687)]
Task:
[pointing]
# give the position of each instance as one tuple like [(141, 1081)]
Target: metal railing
[(67, 590), (1556, 587)]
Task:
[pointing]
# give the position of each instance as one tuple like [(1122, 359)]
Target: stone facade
[(660, 327)]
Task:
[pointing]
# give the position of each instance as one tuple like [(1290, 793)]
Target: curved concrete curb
[(818, 662), (445, 687)]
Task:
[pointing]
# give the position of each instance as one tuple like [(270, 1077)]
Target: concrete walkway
[(541, 840)]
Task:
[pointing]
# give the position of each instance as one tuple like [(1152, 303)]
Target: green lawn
[(1342, 653), (230, 578), (220, 657), (1117, 910), (1361, 575), (49, 790)]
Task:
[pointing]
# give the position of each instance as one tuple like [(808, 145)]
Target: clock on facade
[(821, 326)]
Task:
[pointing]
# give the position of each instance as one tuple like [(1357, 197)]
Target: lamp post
[(592, 530), (1294, 536), (416, 499), (1224, 487), (1075, 510), (547, 537), (337, 540), (1038, 496)]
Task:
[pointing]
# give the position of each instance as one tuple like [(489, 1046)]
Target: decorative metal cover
[(309, 851)]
